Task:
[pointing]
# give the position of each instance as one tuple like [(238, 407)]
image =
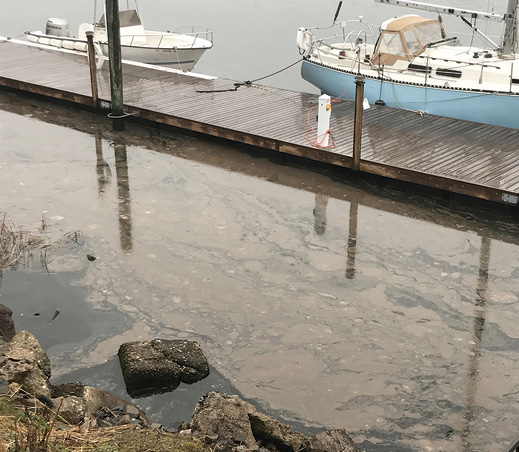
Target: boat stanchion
[(357, 131), (92, 64)]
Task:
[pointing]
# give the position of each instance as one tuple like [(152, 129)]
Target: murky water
[(328, 301)]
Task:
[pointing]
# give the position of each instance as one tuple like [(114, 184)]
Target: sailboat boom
[(445, 10)]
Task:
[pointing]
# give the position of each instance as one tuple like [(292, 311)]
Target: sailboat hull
[(478, 106)]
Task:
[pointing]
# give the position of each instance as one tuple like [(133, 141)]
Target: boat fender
[(304, 41), (32, 38)]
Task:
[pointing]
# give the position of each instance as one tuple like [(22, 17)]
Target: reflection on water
[(334, 303), (475, 349), (123, 196), (104, 173), (104, 177)]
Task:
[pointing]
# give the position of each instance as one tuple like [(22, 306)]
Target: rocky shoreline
[(225, 423)]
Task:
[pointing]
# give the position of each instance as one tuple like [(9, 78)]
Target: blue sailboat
[(412, 63)]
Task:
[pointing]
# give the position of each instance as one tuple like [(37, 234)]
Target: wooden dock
[(472, 159)]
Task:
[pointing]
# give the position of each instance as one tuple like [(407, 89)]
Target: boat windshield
[(429, 32), (390, 43)]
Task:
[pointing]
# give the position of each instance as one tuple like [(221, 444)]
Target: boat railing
[(452, 69), (196, 32), (192, 37), (366, 32), (329, 43)]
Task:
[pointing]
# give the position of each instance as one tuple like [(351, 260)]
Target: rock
[(23, 361), (68, 389), (81, 404), (71, 409), (335, 440), (229, 417), (161, 364), (7, 330), (274, 435), (224, 415)]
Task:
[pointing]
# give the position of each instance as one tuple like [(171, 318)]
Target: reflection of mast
[(479, 326), (352, 240), (123, 194), (102, 168)]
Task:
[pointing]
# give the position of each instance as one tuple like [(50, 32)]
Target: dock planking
[(472, 159)]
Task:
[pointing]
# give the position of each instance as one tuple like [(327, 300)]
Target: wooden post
[(92, 64), (357, 131), (113, 29)]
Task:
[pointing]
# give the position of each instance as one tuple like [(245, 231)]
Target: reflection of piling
[(92, 64), (321, 201), (123, 195), (479, 326), (113, 30), (102, 168), (357, 132), (352, 240)]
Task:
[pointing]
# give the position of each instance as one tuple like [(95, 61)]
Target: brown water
[(332, 302)]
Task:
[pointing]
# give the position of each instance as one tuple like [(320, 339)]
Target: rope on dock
[(248, 82)]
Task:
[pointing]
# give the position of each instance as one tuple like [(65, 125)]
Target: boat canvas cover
[(404, 37), (128, 18), (397, 24)]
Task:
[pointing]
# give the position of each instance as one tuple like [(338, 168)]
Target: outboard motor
[(57, 27)]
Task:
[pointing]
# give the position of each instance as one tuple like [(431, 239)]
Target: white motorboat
[(179, 50), (411, 63)]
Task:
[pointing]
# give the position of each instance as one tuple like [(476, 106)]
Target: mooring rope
[(249, 82)]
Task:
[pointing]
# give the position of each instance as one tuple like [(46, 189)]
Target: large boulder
[(160, 365), (7, 330), (230, 418), (23, 361)]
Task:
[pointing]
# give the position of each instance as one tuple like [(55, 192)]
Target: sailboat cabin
[(404, 37)]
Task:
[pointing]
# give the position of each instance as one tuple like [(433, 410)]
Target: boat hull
[(182, 59), (478, 106)]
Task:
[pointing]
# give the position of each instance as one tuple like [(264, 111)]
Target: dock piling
[(357, 131), (92, 64), (113, 29)]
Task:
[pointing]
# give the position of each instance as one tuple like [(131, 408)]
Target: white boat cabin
[(132, 30)]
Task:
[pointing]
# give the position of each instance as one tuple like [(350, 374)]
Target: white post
[(323, 121)]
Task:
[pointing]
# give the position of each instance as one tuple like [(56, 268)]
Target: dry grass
[(21, 431), (15, 246)]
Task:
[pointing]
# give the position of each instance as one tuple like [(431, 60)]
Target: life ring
[(304, 41)]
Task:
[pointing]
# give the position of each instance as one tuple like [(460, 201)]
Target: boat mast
[(509, 45)]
